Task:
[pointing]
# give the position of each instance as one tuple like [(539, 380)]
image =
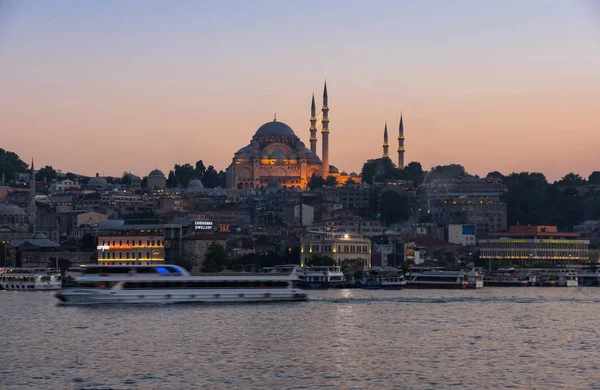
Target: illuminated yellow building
[(132, 245), (340, 246), (530, 245)]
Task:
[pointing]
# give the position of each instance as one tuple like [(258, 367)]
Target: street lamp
[(5, 244)]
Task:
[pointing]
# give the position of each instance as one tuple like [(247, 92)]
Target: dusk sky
[(113, 86)]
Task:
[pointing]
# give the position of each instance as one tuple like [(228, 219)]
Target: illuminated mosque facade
[(276, 158)]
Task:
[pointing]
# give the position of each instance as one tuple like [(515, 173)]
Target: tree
[(46, 173), (382, 169), (452, 171), (145, 182), (331, 181), (11, 165), (594, 178), (88, 242), (171, 180), (320, 260), (211, 178), (571, 180), (125, 180), (70, 176), (415, 172), (184, 174), (495, 175), (393, 207), (215, 259), (200, 169), (316, 182)]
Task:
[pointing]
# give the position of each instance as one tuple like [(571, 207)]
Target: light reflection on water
[(490, 338)]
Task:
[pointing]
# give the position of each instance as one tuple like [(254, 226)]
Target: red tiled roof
[(430, 241)]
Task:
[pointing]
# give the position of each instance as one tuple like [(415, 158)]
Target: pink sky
[(496, 89)]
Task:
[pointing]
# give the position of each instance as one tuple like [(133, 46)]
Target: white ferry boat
[(568, 278), (419, 277), (386, 278), (30, 279), (322, 277), (173, 284)]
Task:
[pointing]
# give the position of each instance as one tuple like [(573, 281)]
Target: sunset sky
[(113, 86)]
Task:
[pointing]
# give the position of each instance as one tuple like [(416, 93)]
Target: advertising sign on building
[(203, 225)]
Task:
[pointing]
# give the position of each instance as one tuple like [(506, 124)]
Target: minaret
[(313, 126), (385, 144), (401, 144), (325, 134), (32, 199)]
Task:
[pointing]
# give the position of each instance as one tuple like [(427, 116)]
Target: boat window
[(162, 270)]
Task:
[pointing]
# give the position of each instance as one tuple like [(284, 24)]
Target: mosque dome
[(273, 186), (353, 174), (97, 181), (344, 173), (311, 157), (195, 185), (278, 154), (156, 173), (244, 150), (9, 209), (274, 128)]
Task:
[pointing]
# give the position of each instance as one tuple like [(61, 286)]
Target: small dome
[(9, 209), (274, 128), (333, 169), (353, 174), (195, 185), (344, 173), (274, 185), (264, 154), (97, 181), (156, 173)]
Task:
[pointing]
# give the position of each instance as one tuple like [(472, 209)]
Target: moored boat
[(173, 284), (320, 277), (435, 278), (386, 278), (30, 279)]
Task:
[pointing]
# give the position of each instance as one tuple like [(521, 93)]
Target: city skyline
[(112, 87)]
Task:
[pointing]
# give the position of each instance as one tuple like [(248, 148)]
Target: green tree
[(171, 180), (495, 175), (320, 260), (394, 208), (415, 172), (382, 169), (451, 171), (11, 165), (184, 174), (331, 181), (316, 182), (125, 180), (594, 178), (215, 259), (200, 169), (571, 180), (211, 178), (70, 176), (47, 174), (88, 242)]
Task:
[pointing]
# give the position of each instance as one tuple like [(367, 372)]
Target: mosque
[(277, 158)]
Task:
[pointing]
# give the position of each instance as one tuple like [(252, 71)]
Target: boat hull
[(30, 286), (449, 286), (505, 284), (92, 296)]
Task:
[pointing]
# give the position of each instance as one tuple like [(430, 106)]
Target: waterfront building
[(340, 246), (531, 245), (462, 234), (131, 242), (276, 159), (487, 215)]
